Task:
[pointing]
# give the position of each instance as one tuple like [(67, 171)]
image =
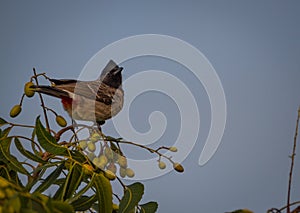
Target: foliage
[(75, 176)]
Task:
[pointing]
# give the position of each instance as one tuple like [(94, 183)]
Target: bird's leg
[(99, 124)]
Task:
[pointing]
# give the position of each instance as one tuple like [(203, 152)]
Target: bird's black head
[(112, 75)]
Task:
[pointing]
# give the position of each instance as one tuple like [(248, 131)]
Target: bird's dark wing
[(94, 90), (63, 81)]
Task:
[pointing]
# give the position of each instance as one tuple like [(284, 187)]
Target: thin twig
[(42, 102), (20, 125), (147, 148), (292, 163), (60, 132)]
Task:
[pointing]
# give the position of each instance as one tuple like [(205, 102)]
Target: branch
[(292, 163), (42, 102)]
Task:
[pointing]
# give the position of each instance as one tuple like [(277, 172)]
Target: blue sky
[(253, 46)]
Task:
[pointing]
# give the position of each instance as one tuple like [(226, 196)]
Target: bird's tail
[(52, 91)]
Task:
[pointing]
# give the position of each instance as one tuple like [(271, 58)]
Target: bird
[(97, 100)]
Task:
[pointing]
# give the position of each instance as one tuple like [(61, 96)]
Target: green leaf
[(15, 178), (103, 193), (47, 141), (58, 194), (133, 194), (11, 161), (26, 153), (2, 122), (78, 156), (73, 180), (5, 133), (149, 207), (84, 203), (61, 207), (50, 179), (40, 170), (82, 191), (4, 172)]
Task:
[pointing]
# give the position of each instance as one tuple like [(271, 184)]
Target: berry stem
[(42, 101)]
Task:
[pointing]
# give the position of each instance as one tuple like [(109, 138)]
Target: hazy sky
[(254, 47)]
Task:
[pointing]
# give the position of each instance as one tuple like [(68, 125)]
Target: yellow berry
[(110, 175), (83, 144), (95, 137), (161, 165), (91, 147), (2, 194), (29, 92), (178, 167), (103, 159), (109, 153), (100, 161), (115, 206), (15, 111), (122, 172), (87, 169), (96, 161), (68, 164), (9, 192), (122, 161), (173, 149), (4, 183), (130, 172), (61, 121)]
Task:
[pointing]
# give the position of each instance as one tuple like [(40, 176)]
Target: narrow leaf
[(149, 207), (73, 180), (133, 194), (50, 179), (11, 161), (26, 153), (58, 194), (84, 203), (2, 122), (63, 207), (78, 156), (5, 133), (47, 141), (83, 190), (103, 193)]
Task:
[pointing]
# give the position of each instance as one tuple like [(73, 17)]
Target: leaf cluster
[(56, 168)]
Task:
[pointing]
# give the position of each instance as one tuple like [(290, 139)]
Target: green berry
[(96, 161), (91, 155), (122, 172), (83, 144), (61, 121), (109, 153), (15, 111), (95, 137), (161, 165), (103, 159), (29, 92), (91, 147)]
